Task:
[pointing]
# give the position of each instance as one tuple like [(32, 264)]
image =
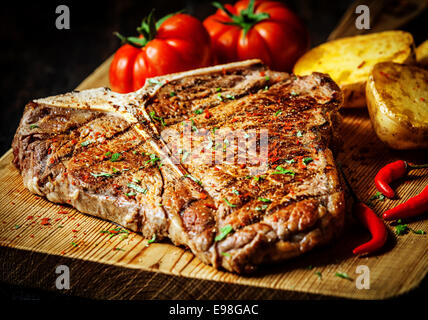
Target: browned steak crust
[(233, 210)]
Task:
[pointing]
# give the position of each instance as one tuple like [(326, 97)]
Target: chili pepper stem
[(416, 166)]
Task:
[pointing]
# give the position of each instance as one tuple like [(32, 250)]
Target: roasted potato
[(397, 100), (422, 54), (349, 60)]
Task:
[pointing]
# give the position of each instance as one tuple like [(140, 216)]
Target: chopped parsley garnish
[(343, 275), (401, 229), (294, 94), (194, 128), (108, 154), (230, 97), (155, 117), (74, 244), (278, 113), (33, 126), (153, 159), (153, 239), (299, 134), (185, 156), (130, 194), (199, 111), (229, 204), (235, 192), (224, 232), (16, 226), (281, 170), (258, 178), (307, 160), (101, 174), (378, 196), (137, 188), (192, 178), (115, 157), (86, 143), (219, 97), (290, 161), (267, 78), (115, 232), (262, 207), (318, 274), (155, 82), (172, 94), (226, 254), (264, 199), (218, 89)]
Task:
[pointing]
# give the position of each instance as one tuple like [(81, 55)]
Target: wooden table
[(117, 268)]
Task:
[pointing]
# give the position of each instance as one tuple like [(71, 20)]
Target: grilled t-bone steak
[(152, 161)]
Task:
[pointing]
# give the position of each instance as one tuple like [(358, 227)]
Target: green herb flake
[(230, 97), (137, 188), (290, 161), (264, 199), (115, 157), (101, 174), (262, 207), (229, 204), (86, 143), (107, 154), (267, 78), (299, 134), (116, 231), (307, 160), (278, 113), (153, 159), (33, 126), (378, 196), (172, 94), (16, 226), (199, 111), (343, 275), (226, 254), (153, 239), (74, 244), (192, 178), (219, 97), (218, 89), (153, 115), (130, 194), (317, 273), (155, 82), (294, 94), (281, 170), (224, 232)]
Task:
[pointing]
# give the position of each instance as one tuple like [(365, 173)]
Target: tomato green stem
[(147, 30), (246, 19)]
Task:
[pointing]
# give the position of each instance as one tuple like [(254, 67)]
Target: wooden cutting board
[(125, 266)]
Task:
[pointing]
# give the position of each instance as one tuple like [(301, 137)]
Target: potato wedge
[(397, 100), (422, 54), (349, 60)]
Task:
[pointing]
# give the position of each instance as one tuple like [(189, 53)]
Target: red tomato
[(175, 43), (267, 30)]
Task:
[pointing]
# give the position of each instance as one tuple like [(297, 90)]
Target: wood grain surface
[(126, 266)]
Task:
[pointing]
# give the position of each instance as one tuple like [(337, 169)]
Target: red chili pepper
[(413, 207), (371, 221), (391, 172)]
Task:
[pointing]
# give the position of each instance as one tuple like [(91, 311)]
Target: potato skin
[(391, 95), (349, 60)]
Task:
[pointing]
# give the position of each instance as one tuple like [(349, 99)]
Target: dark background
[(37, 60)]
